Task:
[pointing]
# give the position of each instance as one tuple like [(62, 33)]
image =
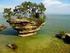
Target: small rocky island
[(2, 27), (26, 18), (64, 36)]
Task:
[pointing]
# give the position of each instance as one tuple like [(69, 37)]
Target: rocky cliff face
[(24, 27)]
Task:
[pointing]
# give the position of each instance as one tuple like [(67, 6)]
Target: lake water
[(54, 23), (57, 23)]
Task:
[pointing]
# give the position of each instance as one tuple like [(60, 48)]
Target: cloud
[(52, 6), (56, 7), (51, 2), (23, 0)]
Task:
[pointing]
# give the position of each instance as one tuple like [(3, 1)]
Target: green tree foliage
[(8, 13), (24, 8), (42, 8)]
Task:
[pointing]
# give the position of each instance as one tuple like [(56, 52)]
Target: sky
[(52, 6)]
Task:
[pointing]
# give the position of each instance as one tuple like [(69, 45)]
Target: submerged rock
[(12, 46)]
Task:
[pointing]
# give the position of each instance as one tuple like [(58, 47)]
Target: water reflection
[(9, 31)]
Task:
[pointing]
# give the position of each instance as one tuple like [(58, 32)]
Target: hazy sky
[(52, 6)]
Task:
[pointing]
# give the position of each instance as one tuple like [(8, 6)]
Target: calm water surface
[(54, 23)]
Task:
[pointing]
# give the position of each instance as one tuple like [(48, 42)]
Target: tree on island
[(24, 8), (27, 13)]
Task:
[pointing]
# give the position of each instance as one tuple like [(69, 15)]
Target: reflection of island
[(26, 18)]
